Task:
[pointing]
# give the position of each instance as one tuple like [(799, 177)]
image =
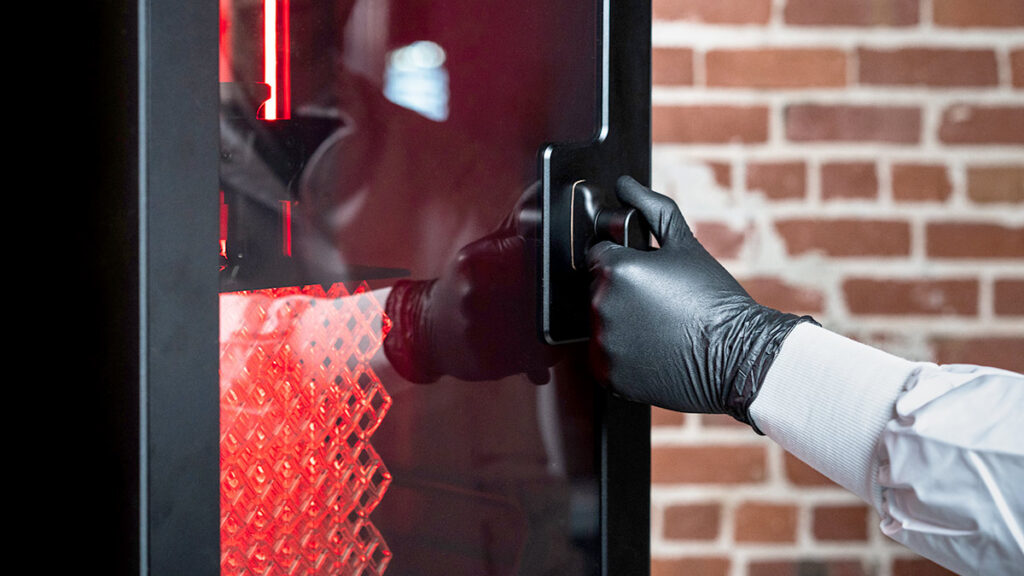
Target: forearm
[(935, 449), (827, 399)]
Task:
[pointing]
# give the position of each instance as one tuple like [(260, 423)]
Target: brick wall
[(859, 160)]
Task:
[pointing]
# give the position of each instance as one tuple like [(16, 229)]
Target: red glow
[(286, 227), (299, 403), (225, 41), (284, 93), (223, 228)]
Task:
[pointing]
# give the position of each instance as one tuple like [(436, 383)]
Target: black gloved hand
[(671, 327), (477, 320)]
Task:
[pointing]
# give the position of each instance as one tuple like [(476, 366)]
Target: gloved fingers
[(599, 346), (601, 260), (493, 268), (539, 377), (603, 255), (520, 220), (526, 213), (662, 214)]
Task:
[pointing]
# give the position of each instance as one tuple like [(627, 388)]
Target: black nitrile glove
[(671, 327), (477, 320)]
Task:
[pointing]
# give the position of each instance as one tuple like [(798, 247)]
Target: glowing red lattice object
[(299, 401)]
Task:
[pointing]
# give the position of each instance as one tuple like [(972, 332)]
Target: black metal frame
[(159, 286), (626, 426), (179, 398)]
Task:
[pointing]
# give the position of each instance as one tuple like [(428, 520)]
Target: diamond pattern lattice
[(299, 401)]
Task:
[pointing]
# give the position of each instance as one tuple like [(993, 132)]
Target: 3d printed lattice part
[(299, 401)]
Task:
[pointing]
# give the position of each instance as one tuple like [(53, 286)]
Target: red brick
[(714, 11), (668, 418), (966, 124), (778, 180), (720, 239), (672, 66), (918, 567), (708, 464), (868, 296), (920, 183), (781, 295), (852, 12), (847, 180), (941, 67), (692, 521), (846, 238), (998, 352), (978, 13), (764, 522), (722, 171), (808, 568), (848, 523), (1009, 297), (690, 566), (974, 240), (848, 123), (987, 184), (776, 68), (799, 473), (711, 124), (1017, 66)]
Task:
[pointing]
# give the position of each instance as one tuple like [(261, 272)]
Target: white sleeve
[(937, 450)]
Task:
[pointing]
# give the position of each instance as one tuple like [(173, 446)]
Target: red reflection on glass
[(223, 242), (286, 227), (299, 401), (225, 41), (284, 43)]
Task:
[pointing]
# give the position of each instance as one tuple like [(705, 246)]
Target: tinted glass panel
[(386, 404)]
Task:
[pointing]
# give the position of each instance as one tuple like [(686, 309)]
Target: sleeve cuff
[(826, 400)]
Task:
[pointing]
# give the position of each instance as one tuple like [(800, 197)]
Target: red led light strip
[(299, 401), (223, 242), (277, 58), (284, 92), (270, 57)]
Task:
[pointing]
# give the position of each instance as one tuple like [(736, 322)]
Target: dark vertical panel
[(179, 286), (626, 441)]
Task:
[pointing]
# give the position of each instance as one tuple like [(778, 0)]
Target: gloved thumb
[(666, 221)]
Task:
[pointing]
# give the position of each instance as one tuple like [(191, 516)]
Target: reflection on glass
[(378, 166), (416, 79)]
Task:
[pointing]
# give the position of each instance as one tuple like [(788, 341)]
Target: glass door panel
[(386, 402)]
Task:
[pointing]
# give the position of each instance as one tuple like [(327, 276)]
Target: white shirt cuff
[(826, 400)]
